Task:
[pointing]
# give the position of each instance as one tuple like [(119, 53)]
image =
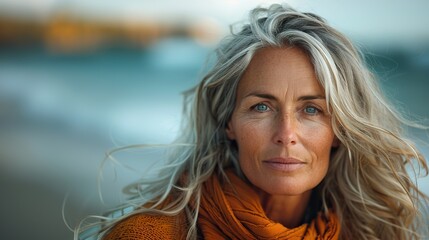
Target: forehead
[(281, 70)]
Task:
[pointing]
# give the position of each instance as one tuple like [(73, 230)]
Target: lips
[(284, 164)]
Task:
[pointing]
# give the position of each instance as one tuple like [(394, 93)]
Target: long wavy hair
[(367, 183)]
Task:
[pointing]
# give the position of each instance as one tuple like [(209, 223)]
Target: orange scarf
[(233, 211)]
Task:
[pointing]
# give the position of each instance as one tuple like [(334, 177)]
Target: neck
[(287, 210)]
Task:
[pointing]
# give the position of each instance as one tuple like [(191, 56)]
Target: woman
[(289, 137)]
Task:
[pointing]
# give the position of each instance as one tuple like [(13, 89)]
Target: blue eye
[(260, 107), (311, 110)]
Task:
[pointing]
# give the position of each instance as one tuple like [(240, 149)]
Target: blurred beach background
[(78, 78)]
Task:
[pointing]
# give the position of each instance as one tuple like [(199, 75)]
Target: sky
[(396, 20)]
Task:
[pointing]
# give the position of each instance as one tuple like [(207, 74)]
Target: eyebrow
[(272, 97), (310, 97)]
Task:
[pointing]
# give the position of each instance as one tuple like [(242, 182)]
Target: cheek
[(318, 144), (318, 140), (247, 136), (322, 146), (319, 135), (251, 136)]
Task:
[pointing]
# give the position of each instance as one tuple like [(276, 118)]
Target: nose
[(285, 130)]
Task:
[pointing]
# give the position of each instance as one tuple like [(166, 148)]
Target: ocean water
[(60, 113)]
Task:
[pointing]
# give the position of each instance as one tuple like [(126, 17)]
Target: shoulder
[(146, 226)]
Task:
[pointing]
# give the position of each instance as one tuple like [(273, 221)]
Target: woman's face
[(281, 123)]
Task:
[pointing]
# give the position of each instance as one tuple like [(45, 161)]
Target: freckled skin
[(281, 112)]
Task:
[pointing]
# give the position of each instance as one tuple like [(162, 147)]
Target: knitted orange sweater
[(144, 226), (227, 211)]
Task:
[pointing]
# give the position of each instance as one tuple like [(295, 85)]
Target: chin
[(285, 188)]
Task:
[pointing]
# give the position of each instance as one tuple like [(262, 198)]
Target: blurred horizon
[(395, 23), (78, 78)]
